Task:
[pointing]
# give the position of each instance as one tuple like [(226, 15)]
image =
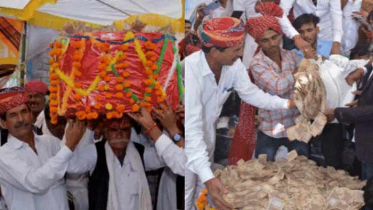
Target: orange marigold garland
[(56, 54), (204, 202)]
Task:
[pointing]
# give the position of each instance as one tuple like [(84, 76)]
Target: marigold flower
[(118, 114), (77, 64), (154, 67), (51, 61), (119, 79), (148, 82), (101, 87), (145, 104), (102, 74), (107, 79), (78, 73), (147, 98), (153, 58), (120, 107), (135, 108), (157, 86), (53, 76), (149, 63), (156, 76), (97, 106), (53, 109), (119, 95), (80, 115), (129, 94), (98, 98), (108, 95), (148, 90), (52, 89), (132, 101), (126, 74), (101, 67), (53, 103), (55, 65), (160, 99), (94, 115), (149, 72), (158, 93), (109, 115), (54, 82), (149, 54), (108, 106), (127, 84), (119, 87), (77, 96), (122, 58), (54, 120), (78, 104), (77, 57), (53, 96)]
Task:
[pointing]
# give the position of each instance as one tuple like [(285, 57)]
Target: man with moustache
[(37, 91), (32, 167), (273, 69), (211, 75), (118, 180)]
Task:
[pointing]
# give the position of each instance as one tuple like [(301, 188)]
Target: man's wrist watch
[(176, 137)]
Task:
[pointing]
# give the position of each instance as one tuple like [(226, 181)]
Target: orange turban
[(36, 87), (222, 32), (256, 26), (12, 97)]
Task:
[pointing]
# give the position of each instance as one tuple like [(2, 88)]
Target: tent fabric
[(22, 9), (97, 12)]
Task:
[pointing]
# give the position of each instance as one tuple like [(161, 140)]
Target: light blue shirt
[(323, 48)]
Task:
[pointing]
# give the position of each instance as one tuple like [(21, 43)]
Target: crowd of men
[(268, 40)]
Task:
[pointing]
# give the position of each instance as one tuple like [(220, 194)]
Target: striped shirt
[(275, 81)]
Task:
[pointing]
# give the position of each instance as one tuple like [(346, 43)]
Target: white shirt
[(204, 100), (126, 177), (329, 12), (163, 153), (41, 123), (350, 26), (36, 181)]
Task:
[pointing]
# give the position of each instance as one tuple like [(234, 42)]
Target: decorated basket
[(113, 73)]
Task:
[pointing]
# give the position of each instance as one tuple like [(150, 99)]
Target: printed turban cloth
[(11, 98), (256, 26), (36, 87), (222, 32)]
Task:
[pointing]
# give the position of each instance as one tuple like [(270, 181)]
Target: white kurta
[(204, 100), (329, 12), (163, 153), (36, 181), (41, 123), (128, 188), (248, 8), (350, 26)]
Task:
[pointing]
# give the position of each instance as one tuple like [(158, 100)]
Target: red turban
[(222, 32), (123, 122), (36, 87), (12, 97), (256, 26)]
